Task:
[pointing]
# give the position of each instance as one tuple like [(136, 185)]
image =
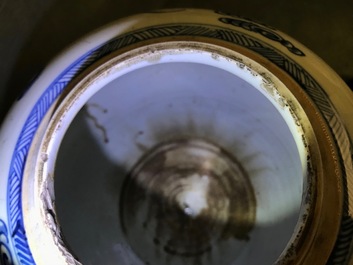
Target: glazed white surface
[(137, 96)]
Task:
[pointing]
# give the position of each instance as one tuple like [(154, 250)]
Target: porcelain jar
[(179, 137)]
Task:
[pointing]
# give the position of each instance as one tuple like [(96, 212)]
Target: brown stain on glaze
[(95, 120)]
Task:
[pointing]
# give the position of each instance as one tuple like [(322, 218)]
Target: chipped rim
[(314, 142)]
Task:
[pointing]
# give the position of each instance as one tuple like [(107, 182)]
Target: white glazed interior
[(155, 97)]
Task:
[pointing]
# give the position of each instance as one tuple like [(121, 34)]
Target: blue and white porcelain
[(135, 129)]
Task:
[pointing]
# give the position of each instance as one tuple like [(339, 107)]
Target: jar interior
[(106, 220)]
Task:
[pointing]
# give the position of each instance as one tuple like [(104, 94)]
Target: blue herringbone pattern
[(15, 217)]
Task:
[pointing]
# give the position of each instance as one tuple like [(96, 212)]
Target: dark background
[(32, 32)]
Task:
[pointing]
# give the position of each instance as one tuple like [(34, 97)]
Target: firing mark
[(95, 120)]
